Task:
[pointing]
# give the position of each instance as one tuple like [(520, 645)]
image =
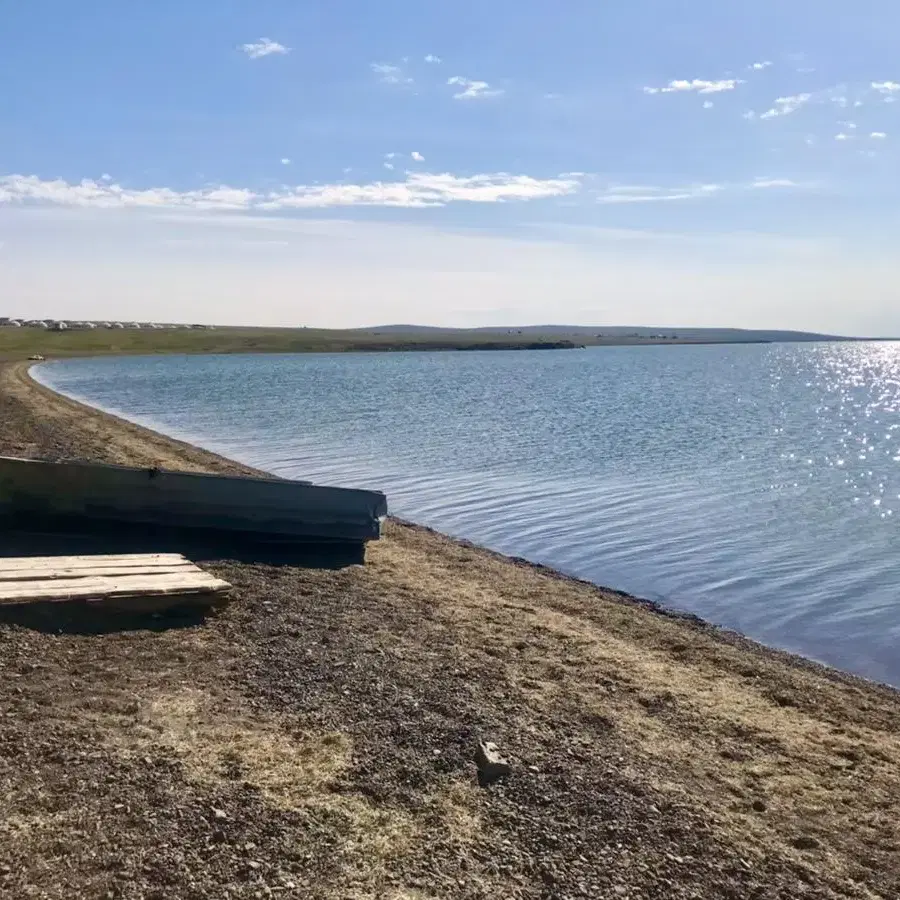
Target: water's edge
[(731, 635)]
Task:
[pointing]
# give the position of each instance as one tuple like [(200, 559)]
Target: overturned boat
[(74, 497)]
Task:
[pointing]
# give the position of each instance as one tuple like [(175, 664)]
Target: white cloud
[(843, 136), (784, 106), (105, 195), (264, 47), (390, 74), (417, 156), (418, 190), (708, 104), (698, 85), (619, 194), (878, 135), (886, 87), (472, 90), (431, 58), (761, 183), (388, 165), (285, 161), (106, 177), (791, 104), (759, 66), (389, 155)]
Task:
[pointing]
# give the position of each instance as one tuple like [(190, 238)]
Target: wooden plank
[(94, 572), (85, 493), (76, 565), (108, 588), (143, 559), (57, 567)]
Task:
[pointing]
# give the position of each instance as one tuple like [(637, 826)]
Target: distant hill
[(25, 342), (614, 333)]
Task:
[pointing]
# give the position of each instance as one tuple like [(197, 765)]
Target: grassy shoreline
[(329, 716), (19, 343)]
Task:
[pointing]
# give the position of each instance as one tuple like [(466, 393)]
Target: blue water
[(757, 486)]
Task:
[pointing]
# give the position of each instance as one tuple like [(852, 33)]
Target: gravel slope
[(315, 738)]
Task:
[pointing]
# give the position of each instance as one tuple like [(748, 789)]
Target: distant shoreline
[(21, 343)]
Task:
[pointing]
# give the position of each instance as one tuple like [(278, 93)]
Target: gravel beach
[(315, 738)]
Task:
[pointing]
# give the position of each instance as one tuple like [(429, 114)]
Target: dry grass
[(216, 743), (778, 764)]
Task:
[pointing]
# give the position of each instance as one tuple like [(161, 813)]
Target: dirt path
[(315, 738)]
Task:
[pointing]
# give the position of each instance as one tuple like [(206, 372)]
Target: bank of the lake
[(757, 487), (127, 339), (316, 737)]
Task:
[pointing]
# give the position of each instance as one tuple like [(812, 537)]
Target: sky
[(339, 163)]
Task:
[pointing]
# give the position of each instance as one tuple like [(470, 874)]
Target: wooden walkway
[(100, 579)]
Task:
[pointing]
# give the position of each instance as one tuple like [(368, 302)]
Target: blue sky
[(348, 163)]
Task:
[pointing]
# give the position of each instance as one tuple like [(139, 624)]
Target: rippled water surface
[(757, 486)]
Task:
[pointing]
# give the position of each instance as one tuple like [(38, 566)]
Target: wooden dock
[(123, 580)]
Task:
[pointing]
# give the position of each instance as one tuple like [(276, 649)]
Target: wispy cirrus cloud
[(784, 106), (642, 193), (620, 194), (697, 85), (471, 89), (417, 190), (414, 190), (388, 73), (759, 66), (842, 96), (31, 189), (264, 47), (764, 183), (889, 90), (432, 59)]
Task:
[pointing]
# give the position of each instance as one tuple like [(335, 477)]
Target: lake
[(757, 486)]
